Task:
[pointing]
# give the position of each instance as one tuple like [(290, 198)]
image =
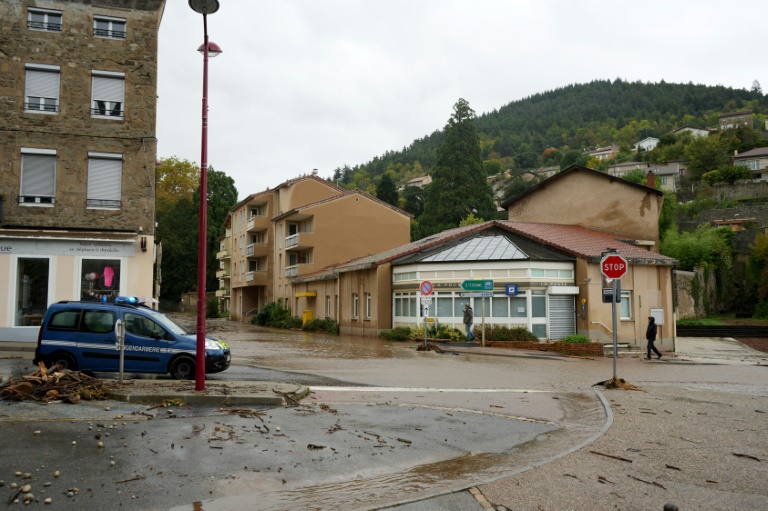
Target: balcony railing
[(249, 276), (291, 272), (222, 274), (222, 292), (223, 254), (292, 241)]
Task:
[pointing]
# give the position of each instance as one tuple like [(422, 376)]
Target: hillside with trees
[(540, 130)]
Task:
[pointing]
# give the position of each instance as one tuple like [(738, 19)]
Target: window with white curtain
[(625, 309), (38, 177), (41, 88), (105, 178), (107, 94)]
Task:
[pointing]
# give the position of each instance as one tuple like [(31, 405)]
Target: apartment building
[(297, 228), (77, 154)]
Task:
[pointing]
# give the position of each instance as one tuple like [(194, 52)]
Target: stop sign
[(613, 266)]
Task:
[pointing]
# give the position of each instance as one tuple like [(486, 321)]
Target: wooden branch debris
[(53, 384), (611, 456), (654, 483), (749, 456)]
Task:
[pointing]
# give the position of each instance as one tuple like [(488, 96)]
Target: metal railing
[(292, 241)]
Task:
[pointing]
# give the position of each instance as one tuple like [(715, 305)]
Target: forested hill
[(579, 116)]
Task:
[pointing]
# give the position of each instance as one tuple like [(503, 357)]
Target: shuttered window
[(38, 176), (41, 89), (105, 176), (108, 94)]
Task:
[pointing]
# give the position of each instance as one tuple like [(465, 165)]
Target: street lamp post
[(203, 7)]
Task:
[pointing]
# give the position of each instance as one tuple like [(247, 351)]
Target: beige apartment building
[(297, 228), (77, 154)]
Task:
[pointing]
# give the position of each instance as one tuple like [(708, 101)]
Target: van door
[(96, 341), (146, 344)]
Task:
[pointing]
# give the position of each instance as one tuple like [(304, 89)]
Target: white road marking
[(424, 389)]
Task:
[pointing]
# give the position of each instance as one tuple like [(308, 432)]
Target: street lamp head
[(213, 49), (204, 6)]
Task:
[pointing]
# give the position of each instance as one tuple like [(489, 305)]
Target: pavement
[(690, 351)]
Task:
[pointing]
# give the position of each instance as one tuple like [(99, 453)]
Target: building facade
[(77, 154), (297, 228)]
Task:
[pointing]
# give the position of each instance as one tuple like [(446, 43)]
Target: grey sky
[(306, 84)]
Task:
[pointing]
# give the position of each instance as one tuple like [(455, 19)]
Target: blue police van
[(83, 336)]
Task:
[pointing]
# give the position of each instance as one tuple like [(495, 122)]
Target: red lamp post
[(203, 7)]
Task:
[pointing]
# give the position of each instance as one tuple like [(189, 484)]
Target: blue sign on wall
[(511, 289)]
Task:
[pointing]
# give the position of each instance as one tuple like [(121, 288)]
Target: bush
[(576, 339), (503, 333), (212, 308), (401, 333), (761, 310), (273, 314), (321, 325)]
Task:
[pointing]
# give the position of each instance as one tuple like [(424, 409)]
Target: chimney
[(650, 180)]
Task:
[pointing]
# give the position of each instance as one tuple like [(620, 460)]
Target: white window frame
[(107, 95), (327, 306), (625, 296), (368, 305), (48, 24), (111, 31), (38, 186), (355, 306), (105, 181), (42, 82)]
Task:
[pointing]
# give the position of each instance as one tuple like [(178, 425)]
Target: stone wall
[(72, 131)]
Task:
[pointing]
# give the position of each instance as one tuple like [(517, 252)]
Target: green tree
[(414, 200), (222, 195), (727, 174), (573, 157), (387, 191), (458, 183), (177, 230), (176, 178), (704, 155), (492, 167)]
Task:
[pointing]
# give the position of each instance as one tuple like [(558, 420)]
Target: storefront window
[(99, 280), (31, 291), (499, 307), (444, 305), (519, 307), (538, 305)]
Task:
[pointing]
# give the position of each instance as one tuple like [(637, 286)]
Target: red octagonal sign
[(613, 266)]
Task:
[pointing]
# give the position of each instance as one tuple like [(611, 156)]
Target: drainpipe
[(1, 210)]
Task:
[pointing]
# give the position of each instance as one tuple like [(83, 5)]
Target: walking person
[(650, 335), (469, 317)]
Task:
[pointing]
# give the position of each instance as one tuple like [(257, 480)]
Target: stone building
[(78, 84)]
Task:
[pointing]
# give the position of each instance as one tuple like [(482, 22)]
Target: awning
[(308, 294)]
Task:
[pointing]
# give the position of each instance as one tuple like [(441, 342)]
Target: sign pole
[(615, 339)]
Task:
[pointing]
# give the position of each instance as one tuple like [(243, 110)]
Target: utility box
[(306, 317)]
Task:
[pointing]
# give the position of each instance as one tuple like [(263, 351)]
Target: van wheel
[(64, 359), (183, 368)]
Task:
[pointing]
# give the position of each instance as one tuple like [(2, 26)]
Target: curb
[(194, 398)]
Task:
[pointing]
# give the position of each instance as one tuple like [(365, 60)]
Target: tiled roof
[(757, 151), (586, 243), (346, 193), (570, 239), (330, 184)]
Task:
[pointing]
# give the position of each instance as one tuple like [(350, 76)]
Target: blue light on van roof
[(127, 299)]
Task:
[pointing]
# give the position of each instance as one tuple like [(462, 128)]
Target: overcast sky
[(315, 84)]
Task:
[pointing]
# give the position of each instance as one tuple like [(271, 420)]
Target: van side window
[(139, 325), (99, 322), (65, 320)]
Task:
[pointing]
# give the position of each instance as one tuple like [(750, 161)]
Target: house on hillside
[(542, 265), (755, 160), (646, 144), (620, 169), (420, 182), (695, 132), (78, 146), (730, 120), (603, 153), (297, 228), (669, 174)]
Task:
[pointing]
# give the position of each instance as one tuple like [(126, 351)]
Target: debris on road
[(53, 384), (430, 347), (619, 383)]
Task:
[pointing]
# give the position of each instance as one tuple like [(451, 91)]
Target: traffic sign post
[(426, 288), (614, 266)]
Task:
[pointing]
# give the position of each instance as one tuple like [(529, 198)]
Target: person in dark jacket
[(469, 318), (650, 335)]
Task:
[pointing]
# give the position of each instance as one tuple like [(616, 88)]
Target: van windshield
[(167, 322)]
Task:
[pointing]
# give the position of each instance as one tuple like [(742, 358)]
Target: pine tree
[(458, 187), (387, 191)]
